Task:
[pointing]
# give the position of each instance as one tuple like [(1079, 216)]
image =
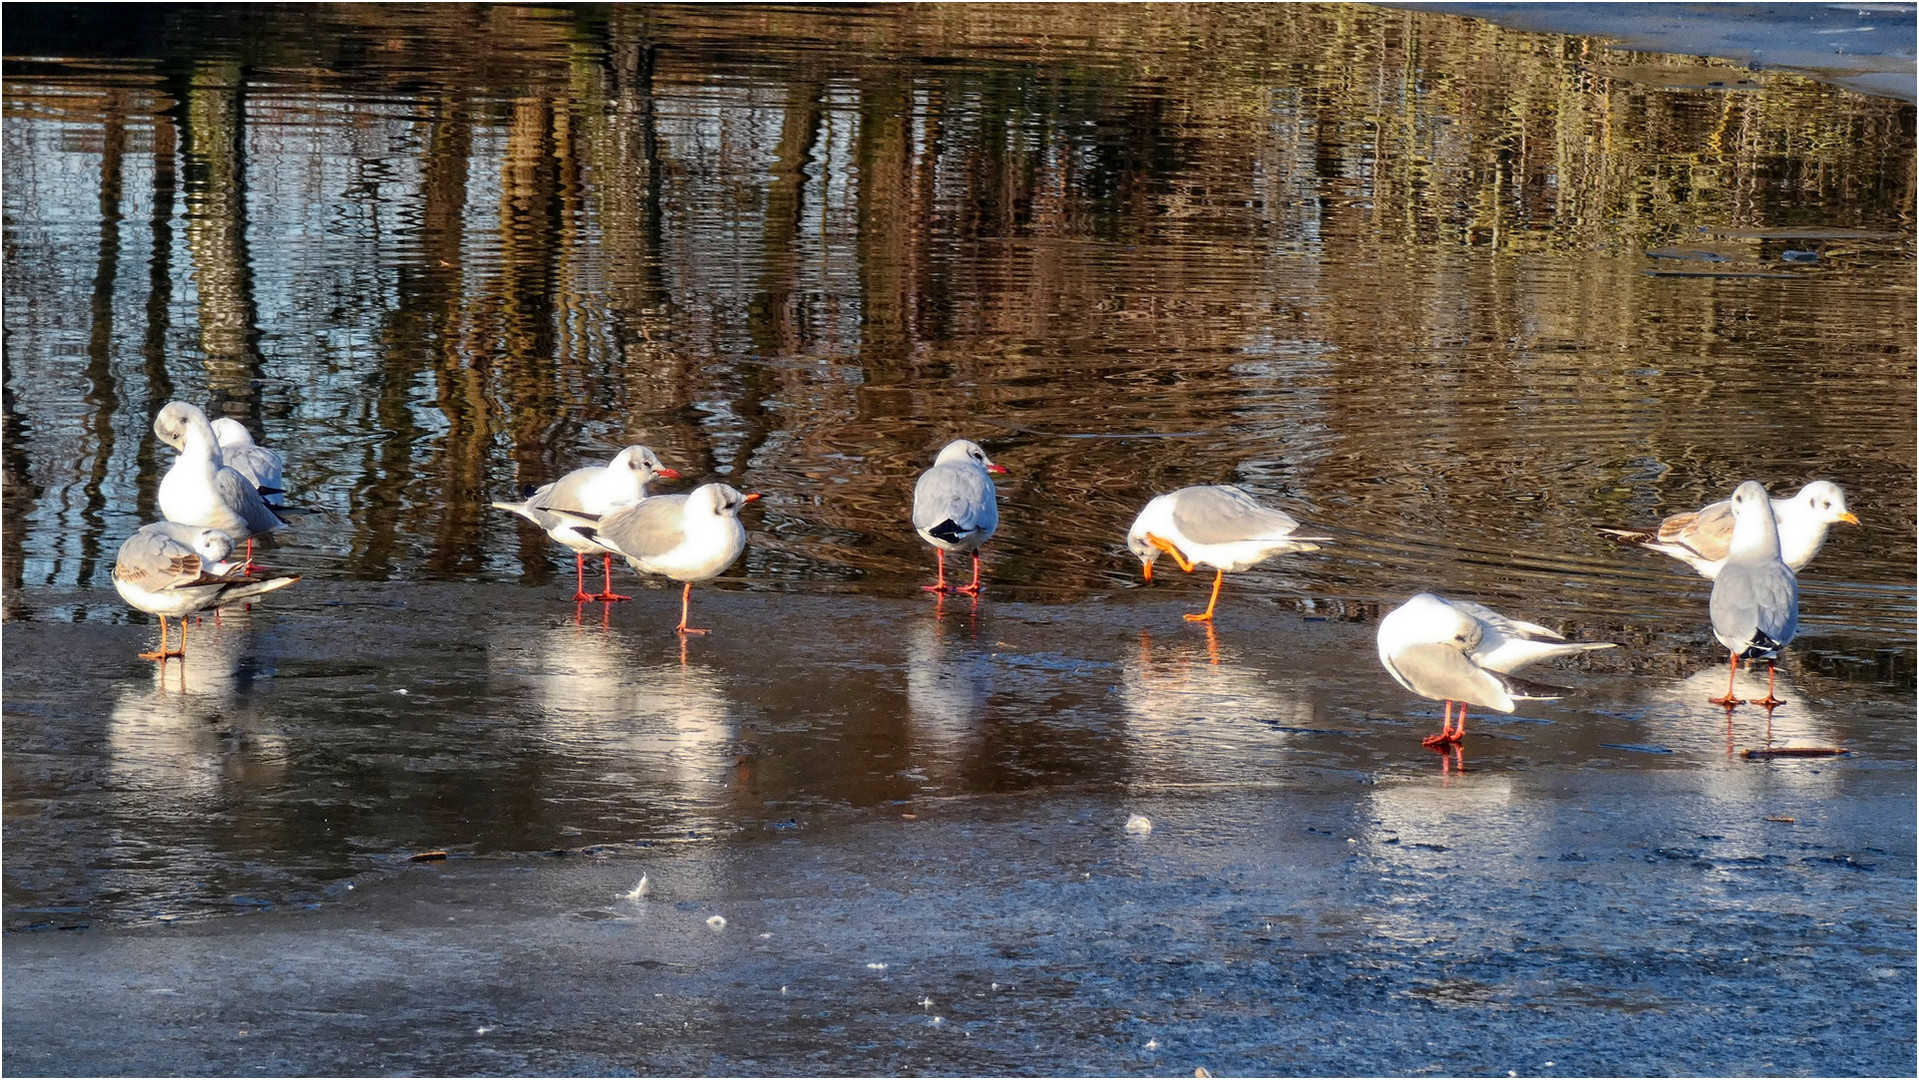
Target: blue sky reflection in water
[(1449, 293)]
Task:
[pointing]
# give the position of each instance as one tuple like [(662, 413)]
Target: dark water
[(1449, 293)]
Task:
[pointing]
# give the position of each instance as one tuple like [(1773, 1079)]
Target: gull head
[(961, 451), (1824, 500)]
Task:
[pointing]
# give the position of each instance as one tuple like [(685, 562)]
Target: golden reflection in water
[(1410, 272)]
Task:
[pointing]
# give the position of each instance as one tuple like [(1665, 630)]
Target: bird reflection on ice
[(1196, 710), (186, 735), (1679, 717), (655, 729), (948, 681)]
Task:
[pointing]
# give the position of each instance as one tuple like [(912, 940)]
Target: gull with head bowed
[(264, 468), (1702, 538), (1755, 598), (689, 538), (1217, 526), (201, 489), (595, 490), (955, 507), (171, 569), (1453, 651)]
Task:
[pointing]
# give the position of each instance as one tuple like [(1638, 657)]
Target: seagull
[(258, 464), (201, 489), (689, 538), (171, 569), (1451, 651), (1701, 538), (1219, 526), (595, 490), (955, 507), (1755, 598)]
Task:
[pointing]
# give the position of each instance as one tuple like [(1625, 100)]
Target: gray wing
[(238, 493), (1509, 627), (647, 529), (1224, 515), (960, 495), (1755, 606), (1443, 673), (262, 467), (564, 492), (156, 560)]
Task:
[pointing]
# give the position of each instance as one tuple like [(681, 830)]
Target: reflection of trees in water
[(817, 263)]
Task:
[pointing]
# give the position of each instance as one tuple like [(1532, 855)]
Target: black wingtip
[(948, 531)]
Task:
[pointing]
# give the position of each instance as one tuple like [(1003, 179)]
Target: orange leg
[(1732, 670), (1219, 578), (580, 595), (973, 589), (161, 653), (607, 593), (1448, 734), (939, 586), (1769, 701), (686, 595), (1170, 549)]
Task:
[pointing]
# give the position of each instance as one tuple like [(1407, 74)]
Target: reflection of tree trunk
[(771, 317), (153, 342), (102, 399), (887, 233), (526, 369), (431, 310), (631, 181), (216, 233)]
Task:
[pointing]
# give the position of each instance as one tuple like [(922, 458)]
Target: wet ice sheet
[(1587, 922)]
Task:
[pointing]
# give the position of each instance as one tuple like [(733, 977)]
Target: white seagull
[(264, 467), (201, 489), (171, 569), (689, 538), (1755, 598), (1702, 538), (955, 507), (1450, 650), (1221, 527), (596, 490)]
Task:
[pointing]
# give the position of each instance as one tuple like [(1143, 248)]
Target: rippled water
[(1449, 293)]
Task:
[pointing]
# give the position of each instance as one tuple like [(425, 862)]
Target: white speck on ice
[(926, 1002), (717, 922), (639, 891), (1152, 1044), (876, 966), (481, 1031), (402, 690), (1139, 824)]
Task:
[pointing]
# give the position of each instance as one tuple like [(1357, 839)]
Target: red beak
[(1000, 469), (670, 474)]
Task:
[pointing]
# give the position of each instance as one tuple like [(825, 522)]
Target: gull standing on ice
[(1702, 538), (595, 490), (201, 489), (1755, 598), (1451, 651), (955, 507), (171, 569), (1218, 526), (689, 538)]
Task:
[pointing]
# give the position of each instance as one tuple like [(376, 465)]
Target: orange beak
[(1147, 569), (1849, 518), (754, 497), (670, 474)]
